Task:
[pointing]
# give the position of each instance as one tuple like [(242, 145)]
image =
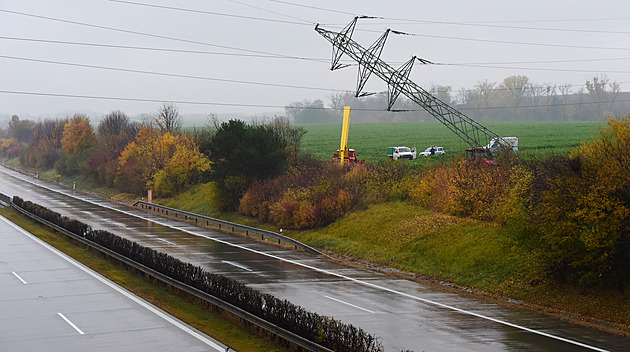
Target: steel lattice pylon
[(473, 133)]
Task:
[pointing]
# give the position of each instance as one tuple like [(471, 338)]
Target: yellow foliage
[(77, 135), (166, 162), (7, 143)]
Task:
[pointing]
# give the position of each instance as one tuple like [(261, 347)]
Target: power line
[(275, 56), (166, 74), (318, 60), (519, 43), (145, 100), (190, 102), (270, 55), (537, 69), (209, 12), (281, 85), (145, 34), (537, 62), (314, 7), (473, 24), (478, 24), (274, 12)]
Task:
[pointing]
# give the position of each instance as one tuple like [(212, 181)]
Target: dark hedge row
[(326, 331)]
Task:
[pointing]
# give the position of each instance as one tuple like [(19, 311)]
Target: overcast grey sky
[(256, 56)]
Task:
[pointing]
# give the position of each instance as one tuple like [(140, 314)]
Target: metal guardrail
[(5, 200), (227, 224), (238, 312)]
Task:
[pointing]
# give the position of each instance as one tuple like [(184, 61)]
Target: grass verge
[(203, 320), (475, 256)]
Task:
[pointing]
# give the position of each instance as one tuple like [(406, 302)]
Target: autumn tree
[(168, 119), (185, 168), (165, 162), (78, 135), (21, 130), (603, 209), (45, 148), (77, 140), (114, 132)]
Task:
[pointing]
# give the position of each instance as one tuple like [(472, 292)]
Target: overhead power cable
[(314, 7), (473, 24), (146, 34), (209, 12), (167, 74), (275, 56), (192, 102), (483, 23), (536, 68), (273, 12), (518, 43), (146, 100)]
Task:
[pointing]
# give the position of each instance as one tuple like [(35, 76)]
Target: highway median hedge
[(326, 331)]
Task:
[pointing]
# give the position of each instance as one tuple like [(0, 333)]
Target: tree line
[(516, 98), (156, 153)]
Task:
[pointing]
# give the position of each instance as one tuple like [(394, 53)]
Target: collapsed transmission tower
[(473, 133)]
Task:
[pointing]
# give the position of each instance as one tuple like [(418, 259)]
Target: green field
[(372, 139)]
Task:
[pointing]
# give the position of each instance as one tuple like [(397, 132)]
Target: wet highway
[(405, 314), (49, 302)]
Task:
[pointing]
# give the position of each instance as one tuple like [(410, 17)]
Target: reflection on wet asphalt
[(405, 314)]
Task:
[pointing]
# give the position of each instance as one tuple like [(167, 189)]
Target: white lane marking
[(71, 323), (237, 265), (365, 283), (350, 304), (167, 241), (117, 288), (18, 276)]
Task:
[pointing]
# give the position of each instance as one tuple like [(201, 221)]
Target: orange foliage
[(165, 162), (78, 135), (470, 188), (317, 195)]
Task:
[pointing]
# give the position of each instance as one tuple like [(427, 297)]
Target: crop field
[(536, 139)]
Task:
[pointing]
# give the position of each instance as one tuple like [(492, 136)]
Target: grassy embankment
[(195, 315), (473, 257)]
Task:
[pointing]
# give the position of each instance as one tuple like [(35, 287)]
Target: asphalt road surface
[(405, 314), (49, 302)]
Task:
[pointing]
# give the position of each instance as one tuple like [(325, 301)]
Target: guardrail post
[(219, 223)]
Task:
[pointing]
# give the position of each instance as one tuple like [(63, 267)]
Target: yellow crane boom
[(343, 148)]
